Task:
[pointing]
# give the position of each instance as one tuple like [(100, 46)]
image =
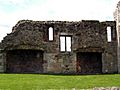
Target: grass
[(38, 82)]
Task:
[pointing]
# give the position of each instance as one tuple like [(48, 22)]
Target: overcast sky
[(11, 11)]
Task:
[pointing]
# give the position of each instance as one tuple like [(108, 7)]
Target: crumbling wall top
[(31, 34)]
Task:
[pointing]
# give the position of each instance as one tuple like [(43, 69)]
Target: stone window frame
[(65, 43)]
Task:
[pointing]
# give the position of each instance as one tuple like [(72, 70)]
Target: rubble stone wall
[(2, 61), (87, 36)]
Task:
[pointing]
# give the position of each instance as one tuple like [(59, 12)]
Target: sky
[(11, 11)]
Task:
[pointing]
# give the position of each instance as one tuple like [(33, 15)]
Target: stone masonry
[(27, 49)]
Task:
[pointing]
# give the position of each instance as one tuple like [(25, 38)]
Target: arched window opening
[(50, 32)]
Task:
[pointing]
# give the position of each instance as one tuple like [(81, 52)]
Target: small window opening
[(65, 43), (50, 34), (109, 38)]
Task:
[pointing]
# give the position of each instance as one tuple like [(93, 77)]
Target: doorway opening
[(89, 63), (24, 61)]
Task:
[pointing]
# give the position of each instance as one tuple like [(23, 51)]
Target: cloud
[(65, 10), (69, 10), (17, 1)]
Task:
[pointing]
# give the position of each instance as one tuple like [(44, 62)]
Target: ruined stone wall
[(110, 53), (87, 36), (2, 61)]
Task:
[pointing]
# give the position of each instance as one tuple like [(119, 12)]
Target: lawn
[(38, 82)]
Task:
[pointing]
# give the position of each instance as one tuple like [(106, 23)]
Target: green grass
[(38, 82)]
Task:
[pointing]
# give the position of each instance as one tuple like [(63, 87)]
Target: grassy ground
[(38, 82)]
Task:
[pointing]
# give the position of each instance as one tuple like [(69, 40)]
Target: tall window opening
[(109, 38), (50, 30), (65, 43)]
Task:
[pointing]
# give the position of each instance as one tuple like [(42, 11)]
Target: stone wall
[(86, 35), (110, 52), (2, 61), (61, 63)]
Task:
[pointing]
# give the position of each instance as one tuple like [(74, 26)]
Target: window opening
[(50, 34), (65, 43), (109, 38)]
